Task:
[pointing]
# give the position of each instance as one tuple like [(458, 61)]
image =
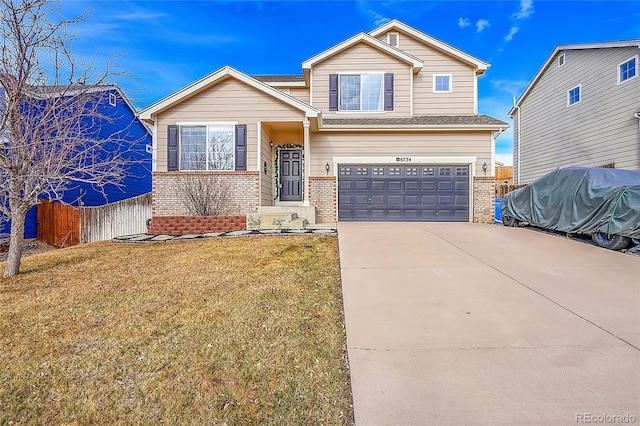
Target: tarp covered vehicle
[(603, 203)]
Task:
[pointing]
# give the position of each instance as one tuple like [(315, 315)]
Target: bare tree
[(203, 194), (50, 115)]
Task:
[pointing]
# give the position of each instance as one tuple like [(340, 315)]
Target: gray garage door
[(419, 193)]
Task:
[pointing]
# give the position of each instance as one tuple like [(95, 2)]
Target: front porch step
[(283, 220)]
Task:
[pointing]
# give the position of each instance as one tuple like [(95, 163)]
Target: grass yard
[(219, 331)]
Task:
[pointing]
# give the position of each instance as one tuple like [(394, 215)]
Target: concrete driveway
[(459, 323)]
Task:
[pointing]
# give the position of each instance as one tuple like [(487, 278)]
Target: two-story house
[(383, 126), (582, 108)]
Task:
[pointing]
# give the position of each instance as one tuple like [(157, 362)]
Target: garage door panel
[(361, 185), (428, 185), (461, 185), (403, 193), (395, 185), (411, 185), (378, 185)]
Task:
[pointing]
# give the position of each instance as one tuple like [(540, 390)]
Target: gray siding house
[(581, 109)]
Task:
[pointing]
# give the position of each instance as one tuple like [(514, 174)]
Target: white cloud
[(526, 9), (482, 24), (463, 22), (512, 87), (512, 32)]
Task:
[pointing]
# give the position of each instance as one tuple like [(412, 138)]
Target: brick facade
[(183, 225), (484, 193), (244, 196), (322, 195)]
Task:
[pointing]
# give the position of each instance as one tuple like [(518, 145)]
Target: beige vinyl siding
[(362, 58), (425, 102), (327, 145), (301, 93), (227, 101), (598, 130)]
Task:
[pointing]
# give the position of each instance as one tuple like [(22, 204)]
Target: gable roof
[(564, 47), (362, 38), (480, 66), (215, 77)]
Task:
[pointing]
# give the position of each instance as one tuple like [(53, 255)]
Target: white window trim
[(579, 87), (450, 83), (206, 124), (564, 61), (624, 62), (360, 111), (397, 34), (112, 99)]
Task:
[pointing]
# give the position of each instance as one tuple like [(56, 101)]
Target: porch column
[(307, 160)]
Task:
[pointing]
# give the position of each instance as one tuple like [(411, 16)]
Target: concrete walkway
[(482, 324)]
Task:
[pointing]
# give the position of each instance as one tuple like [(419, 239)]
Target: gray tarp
[(580, 200)]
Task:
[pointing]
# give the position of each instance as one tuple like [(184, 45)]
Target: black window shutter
[(333, 92), (241, 147), (388, 92), (172, 148)]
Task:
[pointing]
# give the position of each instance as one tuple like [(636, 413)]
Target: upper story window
[(628, 69), (561, 60), (574, 95), (207, 147), (112, 99), (361, 92), (442, 83), (393, 39)]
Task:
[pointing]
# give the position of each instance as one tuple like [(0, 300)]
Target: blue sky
[(165, 45)]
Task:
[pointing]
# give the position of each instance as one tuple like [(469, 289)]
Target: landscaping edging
[(185, 225)]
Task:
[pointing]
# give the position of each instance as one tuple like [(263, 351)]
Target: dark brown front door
[(291, 175)]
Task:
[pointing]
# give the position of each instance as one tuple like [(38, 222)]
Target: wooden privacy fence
[(504, 173), (58, 224), (124, 217), (62, 225), (504, 188)]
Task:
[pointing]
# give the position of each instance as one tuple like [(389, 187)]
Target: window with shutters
[(361, 92), (207, 147)]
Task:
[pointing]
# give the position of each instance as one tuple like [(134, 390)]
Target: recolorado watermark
[(605, 418)]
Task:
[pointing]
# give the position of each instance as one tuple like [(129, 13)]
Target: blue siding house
[(121, 120)]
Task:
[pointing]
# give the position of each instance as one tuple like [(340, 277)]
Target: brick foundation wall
[(484, 193), (183, 225), (243, 199), (322, 195)]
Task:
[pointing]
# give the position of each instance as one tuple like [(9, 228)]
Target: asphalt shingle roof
[(278, 78), (423, 120)]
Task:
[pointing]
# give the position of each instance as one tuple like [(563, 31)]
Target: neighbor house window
[(442, 83), (207, 147), (573, 96), (561, 60), (628, 70), (361, 92)]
